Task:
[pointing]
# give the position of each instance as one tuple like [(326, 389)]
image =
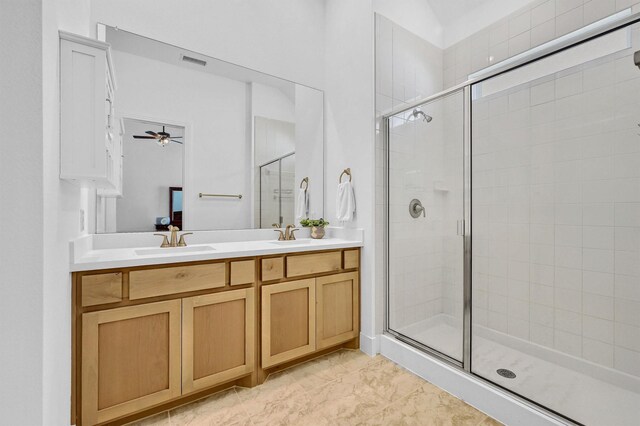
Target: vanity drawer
[(101, 289), (273, 269), (160, 282), (351, 259), (313, 263), (243, 272)]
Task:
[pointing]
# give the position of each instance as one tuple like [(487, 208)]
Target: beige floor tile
[(320, 371), (289, 412), (488, 421), (390, 381), (342, 388), (221, 408), (353, 360), (277, 389), (343, 401), (428, 406), (161, 419)]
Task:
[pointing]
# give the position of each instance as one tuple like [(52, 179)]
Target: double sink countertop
[(105, 251)]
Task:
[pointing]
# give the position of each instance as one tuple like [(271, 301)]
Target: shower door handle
[(460, 227)]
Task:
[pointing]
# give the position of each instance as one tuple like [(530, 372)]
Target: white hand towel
[(302, 204), (345, 202)]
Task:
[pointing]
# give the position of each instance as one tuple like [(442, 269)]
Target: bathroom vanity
[(164, 329)]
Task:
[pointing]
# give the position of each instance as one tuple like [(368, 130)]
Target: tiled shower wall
[(556, 211), (531, 26), (407, 68)]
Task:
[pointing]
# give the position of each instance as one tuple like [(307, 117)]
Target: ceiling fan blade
[(144, 137), (176, 137), (176, 141), (154, 134)]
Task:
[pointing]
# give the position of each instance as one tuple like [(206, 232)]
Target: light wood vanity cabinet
[(150, 338), (130, 359), (338, 309), (288, 321), (217, 334)]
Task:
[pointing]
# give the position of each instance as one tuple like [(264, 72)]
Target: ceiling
[(448, 11)]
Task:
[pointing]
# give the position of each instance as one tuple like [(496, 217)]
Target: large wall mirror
[(208, 144)]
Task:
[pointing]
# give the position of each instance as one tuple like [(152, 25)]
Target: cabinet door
[(130, 359), (288, 321), (338, 299), (217, 338)]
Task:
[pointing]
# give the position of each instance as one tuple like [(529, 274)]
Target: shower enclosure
[(513, 226), (277, 184)]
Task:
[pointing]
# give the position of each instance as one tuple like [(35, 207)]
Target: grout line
[(240, 403)]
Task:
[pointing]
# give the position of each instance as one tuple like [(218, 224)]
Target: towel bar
[(238, 196)]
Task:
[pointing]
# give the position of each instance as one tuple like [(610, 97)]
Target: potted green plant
[(316, 225)]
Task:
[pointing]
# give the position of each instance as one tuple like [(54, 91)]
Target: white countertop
[(94, 252)]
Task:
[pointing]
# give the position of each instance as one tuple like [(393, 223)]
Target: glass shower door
[(425, 191), (556, 241)]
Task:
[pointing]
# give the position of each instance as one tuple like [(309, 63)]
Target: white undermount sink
[(173, 250)]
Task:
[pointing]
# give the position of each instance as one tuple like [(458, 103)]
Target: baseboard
[(492, 401), (369, 345)]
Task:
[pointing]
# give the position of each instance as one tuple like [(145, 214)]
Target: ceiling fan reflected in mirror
[(162, 138)]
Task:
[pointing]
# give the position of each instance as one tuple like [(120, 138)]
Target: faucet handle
[(281, 236), (276, 225), (182, 243), (165, 241), (291, 233)]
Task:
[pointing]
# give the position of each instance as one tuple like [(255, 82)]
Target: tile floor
[(343, 388)]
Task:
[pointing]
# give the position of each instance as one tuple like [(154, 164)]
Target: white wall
[(272, 102), (41, 210), (279, 37), (62, 204), (310, 147), (213, 111), (415, 16), (21, 209), (481, 16), (349, 107)]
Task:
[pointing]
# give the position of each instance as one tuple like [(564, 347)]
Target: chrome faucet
[(174, 238)]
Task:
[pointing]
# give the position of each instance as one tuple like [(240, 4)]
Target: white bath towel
[(302, 204), (345, 202)]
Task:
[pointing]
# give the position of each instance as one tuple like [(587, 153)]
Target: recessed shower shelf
[(440, 187)]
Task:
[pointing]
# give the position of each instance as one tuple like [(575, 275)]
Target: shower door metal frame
[(466, 87), (268, 163), (466, 329)]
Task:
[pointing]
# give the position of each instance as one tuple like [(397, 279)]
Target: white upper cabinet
[(89, 139), (118, 154)]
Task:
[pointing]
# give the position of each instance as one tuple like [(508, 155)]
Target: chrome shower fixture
[(417, 112)]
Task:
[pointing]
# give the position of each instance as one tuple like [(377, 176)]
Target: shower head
[(418, 112)]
